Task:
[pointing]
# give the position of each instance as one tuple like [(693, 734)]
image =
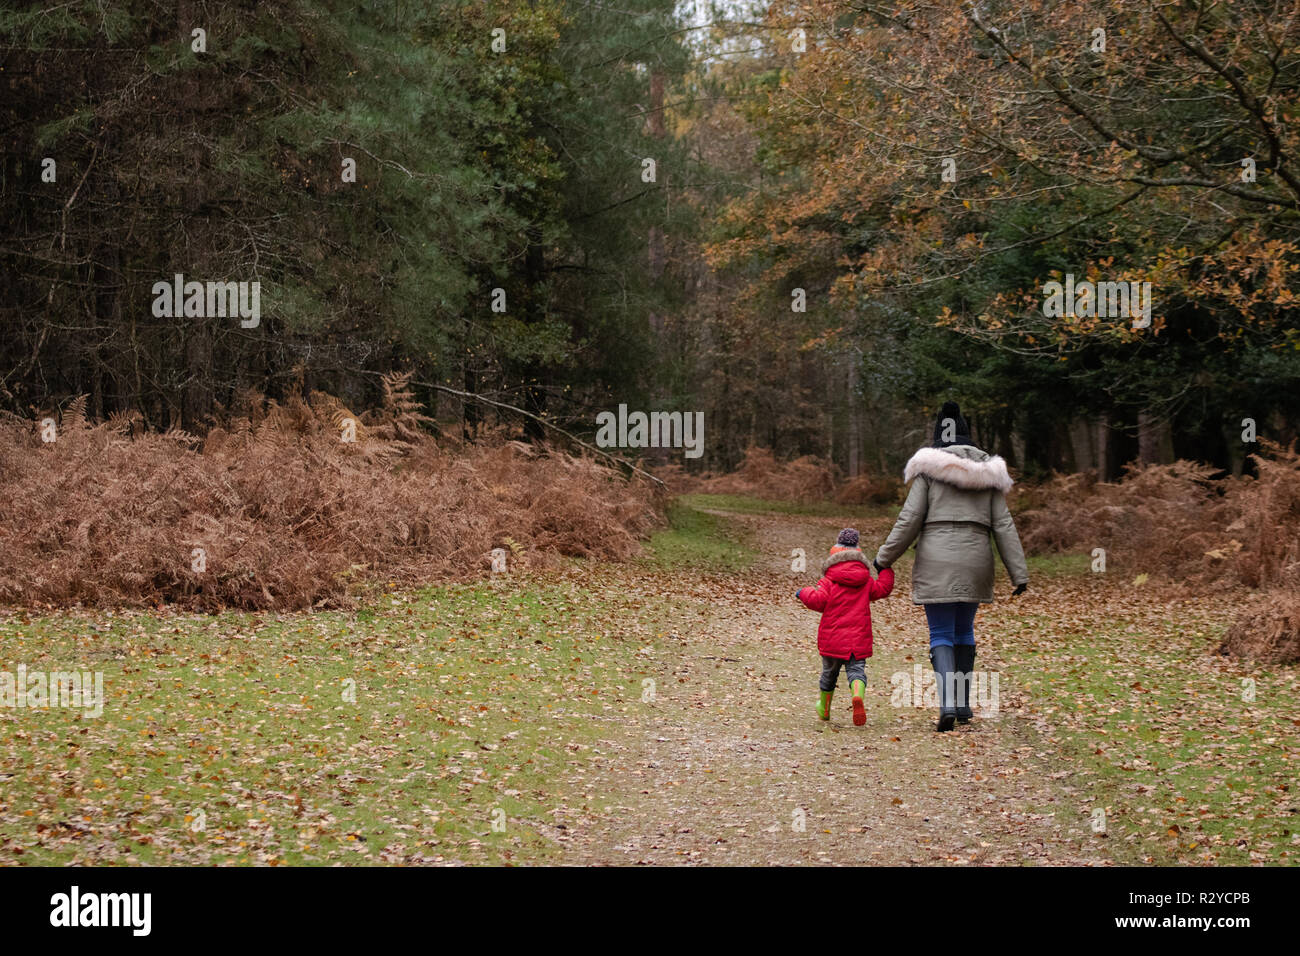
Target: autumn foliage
[(279, 512), (1181, 526), (807, 478)]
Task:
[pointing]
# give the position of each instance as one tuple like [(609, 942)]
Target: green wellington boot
[(824, 704), (859, 709)]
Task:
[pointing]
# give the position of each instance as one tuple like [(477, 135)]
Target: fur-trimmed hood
[(840, 554), (963, 466)]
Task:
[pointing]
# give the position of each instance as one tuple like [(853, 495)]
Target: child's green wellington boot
[(859, 709), (824, 704)]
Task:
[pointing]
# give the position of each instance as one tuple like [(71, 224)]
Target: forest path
[(728, 765)]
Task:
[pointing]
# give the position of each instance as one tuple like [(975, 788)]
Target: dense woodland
[(913, 173)]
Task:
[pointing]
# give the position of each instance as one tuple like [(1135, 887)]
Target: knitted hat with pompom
[(848, 538)]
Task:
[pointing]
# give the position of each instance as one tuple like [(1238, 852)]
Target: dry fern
[(73, 419), (283, 513)]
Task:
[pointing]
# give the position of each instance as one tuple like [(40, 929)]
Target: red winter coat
[(844, 597)]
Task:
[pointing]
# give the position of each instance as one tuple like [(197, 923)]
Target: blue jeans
[(951, 624)]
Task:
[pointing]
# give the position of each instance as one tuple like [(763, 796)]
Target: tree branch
[(473, 397)]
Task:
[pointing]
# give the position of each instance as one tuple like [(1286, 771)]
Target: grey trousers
[(855, 668)]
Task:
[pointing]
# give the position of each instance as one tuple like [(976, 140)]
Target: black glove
[(876, 564), (1020, 589)]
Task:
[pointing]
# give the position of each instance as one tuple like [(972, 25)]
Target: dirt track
[(729, 765)]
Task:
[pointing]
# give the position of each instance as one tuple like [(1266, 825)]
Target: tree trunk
[(1155, 439), (855, 421)]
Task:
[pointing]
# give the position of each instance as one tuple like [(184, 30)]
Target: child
[(844, 596)]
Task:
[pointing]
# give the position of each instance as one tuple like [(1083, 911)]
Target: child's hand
[(883, 586)]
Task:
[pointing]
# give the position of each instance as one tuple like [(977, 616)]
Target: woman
[(957, 499)]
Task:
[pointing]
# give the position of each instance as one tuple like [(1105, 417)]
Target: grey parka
[(957, 500)]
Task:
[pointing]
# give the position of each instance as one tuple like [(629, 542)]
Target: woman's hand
[(1020, 589)]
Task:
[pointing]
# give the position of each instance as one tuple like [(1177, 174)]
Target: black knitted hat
[(960, 432)]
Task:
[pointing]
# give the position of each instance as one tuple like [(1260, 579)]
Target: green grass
[(742, 504), (468, 700), (394, 733), (694, 538), (1154, 724), (1159, 736)]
